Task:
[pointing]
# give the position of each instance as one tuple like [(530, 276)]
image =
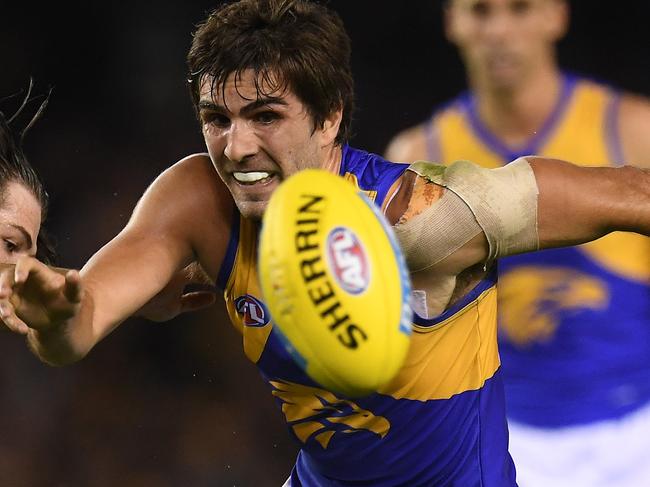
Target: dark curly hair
[(294, 44)]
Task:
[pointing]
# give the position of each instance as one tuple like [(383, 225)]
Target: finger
[(6, 283), (195, 301), (10, 319), (73, 289), (25, 266)]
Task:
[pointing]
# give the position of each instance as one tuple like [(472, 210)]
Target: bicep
[(437, 230), (169, 226)]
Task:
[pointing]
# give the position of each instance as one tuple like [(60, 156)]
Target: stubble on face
[(256, 138)]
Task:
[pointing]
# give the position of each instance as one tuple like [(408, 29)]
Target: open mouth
[(252, 177)]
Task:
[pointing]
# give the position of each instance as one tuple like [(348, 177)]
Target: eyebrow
[(25, 233), (251, 107)]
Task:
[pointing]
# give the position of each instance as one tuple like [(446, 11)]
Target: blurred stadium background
[(178, 404)]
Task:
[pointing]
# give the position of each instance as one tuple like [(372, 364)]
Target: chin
[(253, 210), (505, 81)]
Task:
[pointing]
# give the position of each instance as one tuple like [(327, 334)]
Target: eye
[(10, 246), (480, 9), (266, 117), (214, 118), (520, 7)]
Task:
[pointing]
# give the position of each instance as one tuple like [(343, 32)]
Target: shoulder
[(634, 110), (634, 128), (188, 202), (192, 169), (419, 142), (408, 145), (191, 181)]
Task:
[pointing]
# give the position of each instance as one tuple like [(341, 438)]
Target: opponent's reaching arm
[(184, 216)]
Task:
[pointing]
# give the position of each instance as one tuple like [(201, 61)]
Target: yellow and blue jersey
[(441, 421), (574, 322)]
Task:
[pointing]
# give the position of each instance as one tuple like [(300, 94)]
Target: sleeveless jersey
[(574, 322), (440, 422)]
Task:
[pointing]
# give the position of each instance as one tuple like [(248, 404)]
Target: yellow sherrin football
[(335, 282)]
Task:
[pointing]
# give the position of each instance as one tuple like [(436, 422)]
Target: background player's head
[(272, 83), (504, 42), (23, 201)]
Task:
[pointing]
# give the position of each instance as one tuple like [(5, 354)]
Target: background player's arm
[(164, 234), (634, 129), (407, 146)]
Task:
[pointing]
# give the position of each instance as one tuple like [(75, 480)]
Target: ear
[(330, 127), (558, 19)]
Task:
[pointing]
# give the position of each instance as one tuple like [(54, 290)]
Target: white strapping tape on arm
[(500, 202)]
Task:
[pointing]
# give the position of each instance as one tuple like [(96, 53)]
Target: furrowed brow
[(251, 107), (262, 102)]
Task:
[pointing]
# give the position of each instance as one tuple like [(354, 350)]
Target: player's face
[(257, 140), (20, 222), (503, 41)]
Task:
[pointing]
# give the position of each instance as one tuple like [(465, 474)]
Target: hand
[(33, 295), (190, 289)]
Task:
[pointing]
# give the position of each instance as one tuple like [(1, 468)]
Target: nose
[(498, 25), (241, 143)]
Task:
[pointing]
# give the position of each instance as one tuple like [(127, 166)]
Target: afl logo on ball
[(347, 260), (253, 311)]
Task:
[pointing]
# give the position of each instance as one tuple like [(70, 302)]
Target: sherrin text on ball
[(335, 282)]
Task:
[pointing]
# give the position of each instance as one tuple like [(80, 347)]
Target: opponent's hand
[(190, 289), (33, 295)]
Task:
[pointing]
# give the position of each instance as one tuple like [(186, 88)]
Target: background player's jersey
[(574, 322), (440, 422)]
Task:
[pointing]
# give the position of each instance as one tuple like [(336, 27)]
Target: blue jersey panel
[(597, 347)]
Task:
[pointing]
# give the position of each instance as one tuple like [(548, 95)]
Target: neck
[(332, 161), (516, 113)]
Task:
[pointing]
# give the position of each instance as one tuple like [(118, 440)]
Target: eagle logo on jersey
[(534, 300), (252, 310), (318, 414)]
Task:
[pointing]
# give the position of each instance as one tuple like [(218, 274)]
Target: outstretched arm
[(184, 216), (534, 204), (580, 204), (452, 222)]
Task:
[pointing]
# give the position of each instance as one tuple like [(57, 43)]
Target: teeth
[(250, 177)]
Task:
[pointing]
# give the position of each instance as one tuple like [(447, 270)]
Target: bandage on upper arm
[(502, 203)]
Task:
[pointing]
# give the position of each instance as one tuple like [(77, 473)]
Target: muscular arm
[(580, 204), (574, 205), (184, 216)]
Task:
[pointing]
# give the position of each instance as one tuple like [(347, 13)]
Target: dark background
[(178, 404)]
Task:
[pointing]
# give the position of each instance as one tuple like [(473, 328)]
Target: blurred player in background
[(272, 85), (574, 322)]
